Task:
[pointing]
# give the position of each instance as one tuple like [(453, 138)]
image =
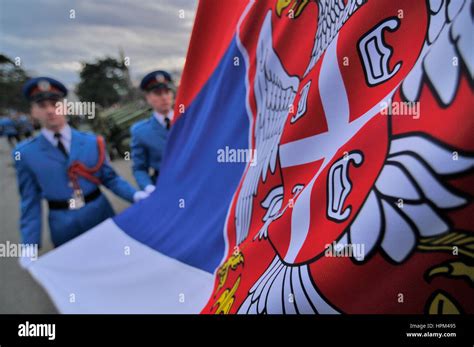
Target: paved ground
[(19, 293)]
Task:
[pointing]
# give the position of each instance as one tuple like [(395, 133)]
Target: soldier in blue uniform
[(149, 136), (9, 129), (26, 129), (3, 123), (65, 167)]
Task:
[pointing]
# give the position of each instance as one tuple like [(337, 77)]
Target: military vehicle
[(114, 124)]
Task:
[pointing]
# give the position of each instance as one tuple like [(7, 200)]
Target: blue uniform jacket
[(147, 147), (42, 174)]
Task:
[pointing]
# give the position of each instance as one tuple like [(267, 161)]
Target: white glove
[(140, 195), (27, 256), (149, 188)]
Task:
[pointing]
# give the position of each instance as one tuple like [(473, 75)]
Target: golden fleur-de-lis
[(235, 260), (227, 298)]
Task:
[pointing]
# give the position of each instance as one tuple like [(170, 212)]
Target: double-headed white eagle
[(275, 91), (413, 170)]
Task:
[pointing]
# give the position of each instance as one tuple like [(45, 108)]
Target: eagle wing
[(275, 91)]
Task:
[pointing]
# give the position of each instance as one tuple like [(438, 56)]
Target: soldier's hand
[(140, 195), (149, 188)]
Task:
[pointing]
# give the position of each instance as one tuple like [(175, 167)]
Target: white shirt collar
[(161, 118), (66, 135)]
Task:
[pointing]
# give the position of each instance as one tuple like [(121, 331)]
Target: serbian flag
[(321, 162)]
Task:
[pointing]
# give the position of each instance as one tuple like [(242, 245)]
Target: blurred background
[(100, 49)]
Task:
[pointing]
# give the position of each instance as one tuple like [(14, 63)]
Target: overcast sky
[(51, 43)]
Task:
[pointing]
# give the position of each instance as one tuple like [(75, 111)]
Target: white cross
[(322, 146)]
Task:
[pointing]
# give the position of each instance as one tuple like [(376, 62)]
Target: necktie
[(60, 144), (168, 123)]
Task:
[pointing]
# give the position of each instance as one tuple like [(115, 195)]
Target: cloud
[(153, 34)]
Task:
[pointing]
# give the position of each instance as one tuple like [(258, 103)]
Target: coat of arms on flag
[(354, 205), (357, 197)]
